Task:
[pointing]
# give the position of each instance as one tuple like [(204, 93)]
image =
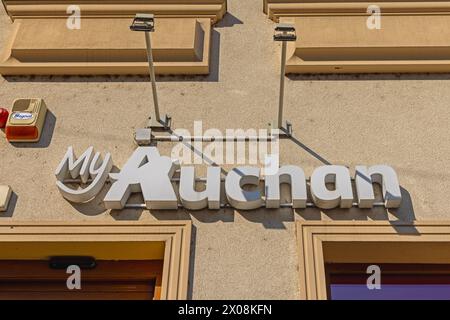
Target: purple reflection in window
[(391, 292)]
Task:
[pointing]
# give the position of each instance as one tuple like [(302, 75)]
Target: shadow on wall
[(192, 263), (229, 20), (404, 213), (276, 218), (128, 214), (309, 150), (204, 216), (269, 218), (94, 207)]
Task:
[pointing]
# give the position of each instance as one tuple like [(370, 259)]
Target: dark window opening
[(109, 280), (397, 282)]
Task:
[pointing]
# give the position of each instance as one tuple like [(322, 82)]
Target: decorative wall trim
[(349, 241), (343, 44), (41, 43), (176, 235), (296, 8), (212, 9), (180, 46), (333, 36)]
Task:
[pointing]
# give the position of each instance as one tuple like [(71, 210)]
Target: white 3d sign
[(151, 174)]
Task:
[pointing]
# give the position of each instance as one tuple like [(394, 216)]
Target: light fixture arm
[(284, 33), (145, 22), (152, 75), (282, 81)]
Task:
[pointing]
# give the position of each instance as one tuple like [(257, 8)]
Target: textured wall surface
[(401, 120)]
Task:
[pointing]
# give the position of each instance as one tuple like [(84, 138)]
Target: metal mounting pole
[(284, 32), (282, 79), (155, 115), (144, 22)]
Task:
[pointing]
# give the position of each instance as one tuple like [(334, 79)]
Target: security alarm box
[(26, 121)]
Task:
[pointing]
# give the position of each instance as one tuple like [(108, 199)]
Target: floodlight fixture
[(143, 22), (285, 32)]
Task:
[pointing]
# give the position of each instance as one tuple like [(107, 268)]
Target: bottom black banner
[(212, 309)]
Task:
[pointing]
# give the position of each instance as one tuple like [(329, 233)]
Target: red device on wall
[(26, 121), (4, 114)]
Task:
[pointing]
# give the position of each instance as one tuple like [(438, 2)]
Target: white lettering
[(194, 200), (341, 196), (147, 172), (383, 175), (89, 165), (288, 174), (151, 174), (237, 196)]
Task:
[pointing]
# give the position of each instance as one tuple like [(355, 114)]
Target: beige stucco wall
[(401, 120)]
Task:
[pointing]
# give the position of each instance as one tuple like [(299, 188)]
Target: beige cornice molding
[(334, 37), (213, 9), (182, 37), (180, 46), (321, 242), (343, 44), (295, 8)]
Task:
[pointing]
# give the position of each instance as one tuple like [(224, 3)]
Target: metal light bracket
[(160, 125), (283, 132), (285, 32), (143, 22)]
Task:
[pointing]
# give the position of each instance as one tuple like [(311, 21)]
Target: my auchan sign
[(149, 173)]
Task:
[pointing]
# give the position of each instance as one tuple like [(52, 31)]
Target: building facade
[(366, 98)]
